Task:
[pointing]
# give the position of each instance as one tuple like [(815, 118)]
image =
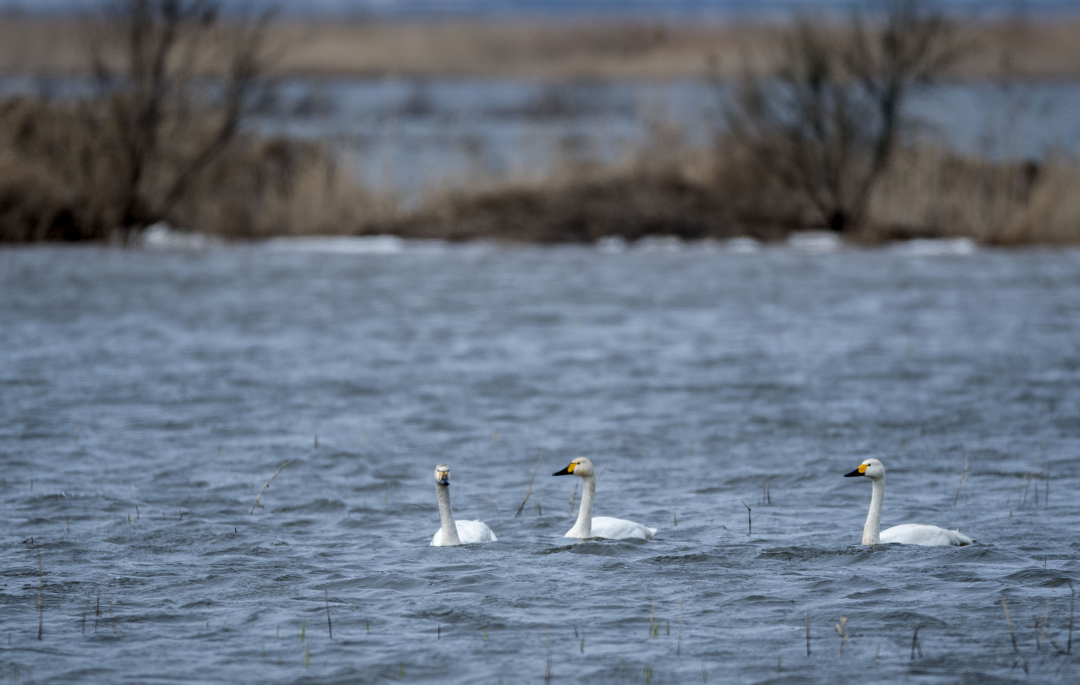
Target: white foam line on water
[(933, 247), (376, 244)]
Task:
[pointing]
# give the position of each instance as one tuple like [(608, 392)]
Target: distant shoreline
[(550, 50)]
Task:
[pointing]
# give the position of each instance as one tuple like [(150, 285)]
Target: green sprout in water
[(401, 673), (582, 644), (647, 672), (307, 656)]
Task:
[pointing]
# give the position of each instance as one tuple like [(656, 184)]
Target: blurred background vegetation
[(879, 121)]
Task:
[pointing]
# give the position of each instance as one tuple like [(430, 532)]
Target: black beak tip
[(444, 481), (564, 472), (853, 474)]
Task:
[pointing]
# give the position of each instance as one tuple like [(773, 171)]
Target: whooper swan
[(587, 525), (908, 533), (455, 532)]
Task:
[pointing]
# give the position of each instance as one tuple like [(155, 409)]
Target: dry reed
[(1008, 622), (41, 594), (529, 490), (257, 504), (329, 624), (963, 481), (808, 632), (841, 628)]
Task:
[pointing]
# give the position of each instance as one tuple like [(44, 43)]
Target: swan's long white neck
[(872, 530), (583, 527), (446, 514)]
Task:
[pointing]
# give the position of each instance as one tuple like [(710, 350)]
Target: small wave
[(934, 247)]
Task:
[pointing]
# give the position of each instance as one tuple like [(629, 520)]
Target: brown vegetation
[(551, 50), (159, 142), (57, 182), (927, 193)]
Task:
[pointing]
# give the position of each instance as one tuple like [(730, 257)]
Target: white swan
[(587, 525), (455, 532), (906, 534)]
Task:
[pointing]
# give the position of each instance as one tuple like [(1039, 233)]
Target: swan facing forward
[(587, 525), (906, 534), (455, 532)]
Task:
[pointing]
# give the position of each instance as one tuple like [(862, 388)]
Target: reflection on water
[(147, 395)]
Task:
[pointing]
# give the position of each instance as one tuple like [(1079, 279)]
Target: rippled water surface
[(147, 396)]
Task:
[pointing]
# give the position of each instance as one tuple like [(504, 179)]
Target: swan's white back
[(617, 529), (919, 534), (469, 532)]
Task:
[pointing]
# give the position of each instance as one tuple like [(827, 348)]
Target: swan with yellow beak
[(589, 526)]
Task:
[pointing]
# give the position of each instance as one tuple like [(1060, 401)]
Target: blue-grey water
[(415, 136), (147, 395)]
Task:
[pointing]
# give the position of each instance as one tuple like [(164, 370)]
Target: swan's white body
[(906, 534), (919, 534), (468, 532), (455, 532), (589, 526)]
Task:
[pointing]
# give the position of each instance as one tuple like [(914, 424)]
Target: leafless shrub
[(173, 84), (826, 123)]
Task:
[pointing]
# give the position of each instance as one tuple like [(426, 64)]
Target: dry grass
[(932, 193), (56, 183), (551, 50)]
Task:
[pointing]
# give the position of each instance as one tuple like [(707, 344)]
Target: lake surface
[(147, 395)]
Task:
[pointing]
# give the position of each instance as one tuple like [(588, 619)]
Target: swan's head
[(579, 467), (442, 474), (871, 468)]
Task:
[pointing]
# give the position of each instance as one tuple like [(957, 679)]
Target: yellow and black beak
[(569, 470), (444, 478), (861, 471)]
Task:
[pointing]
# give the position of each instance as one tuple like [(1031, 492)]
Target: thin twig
[(652, 609), (547, 648), (329, 625), (528, 491), (1008, 622), (749, 521), (257, 504), (1072, 596), (41, 595), (496, 505), (843, 634), (963, 480), (678, 647), (808, 631), (915, 642)]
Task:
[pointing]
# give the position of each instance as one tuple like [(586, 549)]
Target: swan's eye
[(862, 468)]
